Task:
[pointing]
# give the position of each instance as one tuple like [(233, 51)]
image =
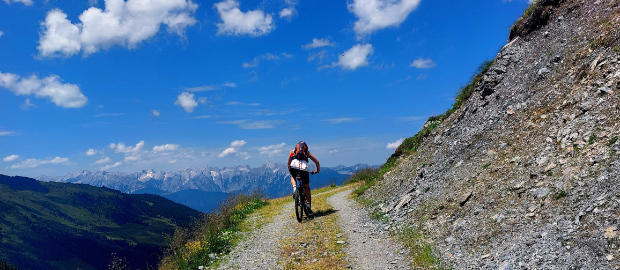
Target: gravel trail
[(370, 246), (260, 248)]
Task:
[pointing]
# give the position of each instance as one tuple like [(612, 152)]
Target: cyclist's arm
[(288, 163), (316, 161)]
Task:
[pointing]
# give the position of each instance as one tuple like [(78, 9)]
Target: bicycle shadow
[(322, 213)]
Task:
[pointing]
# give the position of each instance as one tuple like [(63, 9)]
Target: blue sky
[(166, 84)]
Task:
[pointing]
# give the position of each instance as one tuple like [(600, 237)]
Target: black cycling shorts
[(305, 176)]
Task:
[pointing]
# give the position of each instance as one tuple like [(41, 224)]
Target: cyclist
[(298, 163)]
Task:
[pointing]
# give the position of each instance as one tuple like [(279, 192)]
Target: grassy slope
[(48, 225)]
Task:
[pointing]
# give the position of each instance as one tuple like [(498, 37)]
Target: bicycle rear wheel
[(299, 208)]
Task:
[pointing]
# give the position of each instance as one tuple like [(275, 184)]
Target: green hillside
[(46, 225)]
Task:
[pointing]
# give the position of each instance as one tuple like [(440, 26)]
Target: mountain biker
[(298, 163)]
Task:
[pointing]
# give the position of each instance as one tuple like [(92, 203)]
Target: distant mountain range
[(46, 225), (203, 189)]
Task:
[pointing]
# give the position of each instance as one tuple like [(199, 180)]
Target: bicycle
[(301, 206)]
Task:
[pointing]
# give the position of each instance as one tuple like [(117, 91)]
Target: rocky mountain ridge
[(206, 184), (526, 174)]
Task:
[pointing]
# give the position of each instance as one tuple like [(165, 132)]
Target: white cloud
[(229, 84), (247, 124), (121, 23), (187, 101), (64, 95), (166, 147), (235, 22), (91, 152), (107, 167), (272, 150), (288, 13), (200, 88), (122, 148), (10, 158), (395, 144), (155, 113), (422, 63), (319, 55), (333, 151), (252, 64), (355, 57), (6, 133), (103, 160), (234, 147), (131, 158), (342, 120), (1, 33), (378, 14), (318, 43), (228, 151), (238, 143), (26, 105), (172, 161), (32, 162), (25, 2)]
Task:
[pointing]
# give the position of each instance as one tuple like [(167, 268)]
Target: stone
[(611, 232), (543, 71)]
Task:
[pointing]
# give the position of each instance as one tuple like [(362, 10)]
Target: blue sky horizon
[(168, 84)]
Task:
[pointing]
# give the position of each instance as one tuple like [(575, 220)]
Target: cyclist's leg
[(306, 183)]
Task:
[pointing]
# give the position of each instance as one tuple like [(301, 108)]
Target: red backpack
[(300, 151)]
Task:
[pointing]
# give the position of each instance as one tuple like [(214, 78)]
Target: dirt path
[(361, 241), (369, 245), (260, 248)]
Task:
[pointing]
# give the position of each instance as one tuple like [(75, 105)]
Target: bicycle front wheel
[(298, 206)]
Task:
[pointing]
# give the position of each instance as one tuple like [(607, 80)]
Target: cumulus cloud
[(318, 43), (395, 144), (355, 57), (374, 15), (235, 22), (121, 23), (122, 148), (187, 101), (103, 160), (25, 2), (166, 147), (91, 152), (272, 150), (32, 162), (107, 167), (10, 158), (51, 87), (234, 148), (422, 63), (155, 113)]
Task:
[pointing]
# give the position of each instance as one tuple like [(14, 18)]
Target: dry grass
[(313, 243)]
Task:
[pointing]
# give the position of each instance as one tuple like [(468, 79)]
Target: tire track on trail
[(260, 248), (369, 245)]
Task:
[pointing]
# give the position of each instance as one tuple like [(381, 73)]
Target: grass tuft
[(213, 236)]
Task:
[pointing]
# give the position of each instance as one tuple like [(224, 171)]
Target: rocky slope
[(526, 174)]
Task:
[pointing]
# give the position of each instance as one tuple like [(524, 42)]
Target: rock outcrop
[(526, 174)]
